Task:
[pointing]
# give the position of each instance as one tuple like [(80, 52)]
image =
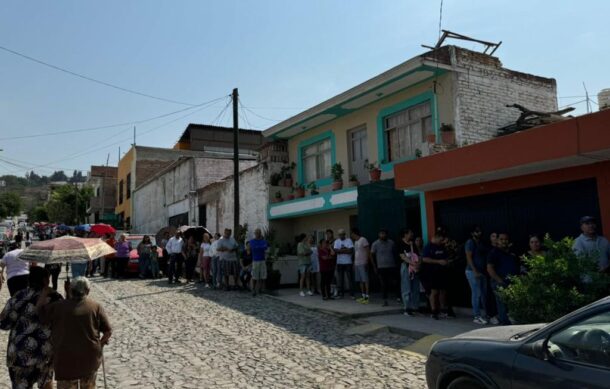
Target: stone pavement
[(182, 336)]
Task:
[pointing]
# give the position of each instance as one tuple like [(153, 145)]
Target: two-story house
[(441, 99)]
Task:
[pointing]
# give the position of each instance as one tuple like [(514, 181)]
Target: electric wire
[(109, 125), (75, 74)]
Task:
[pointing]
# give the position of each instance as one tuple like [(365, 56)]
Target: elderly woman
[(76, 324), (29, 354)]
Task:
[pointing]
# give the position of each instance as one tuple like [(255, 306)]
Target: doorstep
[(345, 307)]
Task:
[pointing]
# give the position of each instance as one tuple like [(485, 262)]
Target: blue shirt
[(597, 248), (478, 255), (505, 264), (258, 247)]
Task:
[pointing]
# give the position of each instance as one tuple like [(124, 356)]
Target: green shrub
[(555, 284)]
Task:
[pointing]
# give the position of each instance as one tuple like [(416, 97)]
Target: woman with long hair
[(144, 253)]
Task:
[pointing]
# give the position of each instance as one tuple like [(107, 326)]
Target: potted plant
[(337, 172), (278, 197), (286, 172), (353, 181), (275, 179), (431, 138), (299, 190), (313, 188), (291, 194), (374, 171), (418, 153), (447, 134)]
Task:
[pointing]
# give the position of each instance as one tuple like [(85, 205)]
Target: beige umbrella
[(66, 249)]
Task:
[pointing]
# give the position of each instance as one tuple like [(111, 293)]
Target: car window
[(587, 341)]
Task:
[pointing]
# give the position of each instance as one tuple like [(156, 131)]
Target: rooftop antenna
[(587, 98)]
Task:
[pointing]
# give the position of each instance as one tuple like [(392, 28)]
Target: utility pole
[(103, 187), (134, 136), (235, 164)]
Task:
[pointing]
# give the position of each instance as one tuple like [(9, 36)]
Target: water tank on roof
[(603, 99)]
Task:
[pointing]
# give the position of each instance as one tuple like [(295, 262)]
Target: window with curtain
[(316, 161), (406, 130)]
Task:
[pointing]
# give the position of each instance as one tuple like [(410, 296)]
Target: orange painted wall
[(600, 171)]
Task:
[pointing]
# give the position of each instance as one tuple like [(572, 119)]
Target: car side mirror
[(539, 349)]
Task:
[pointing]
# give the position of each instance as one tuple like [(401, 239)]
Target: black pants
[(326, 280), (490, 303), (174, 267), (120, 264), (17, 283), (342, 272), (387, 276), (54, 270), (191, 262)]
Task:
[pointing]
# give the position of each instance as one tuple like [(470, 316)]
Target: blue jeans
[(143, 264), (478, 289), (502, 310), (409, 288), (78, 269), (216, 270)]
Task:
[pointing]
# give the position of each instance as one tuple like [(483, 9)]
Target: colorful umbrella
[(83, 227), (103, 229), (66, 249)]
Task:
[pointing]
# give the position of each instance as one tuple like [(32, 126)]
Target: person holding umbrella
[(29, 350)]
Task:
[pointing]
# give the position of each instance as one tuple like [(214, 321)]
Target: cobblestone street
[(169, 336)]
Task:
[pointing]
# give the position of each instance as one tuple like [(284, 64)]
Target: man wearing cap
[(589, 243)]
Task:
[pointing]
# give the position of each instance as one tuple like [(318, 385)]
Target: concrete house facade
[(396, 117)]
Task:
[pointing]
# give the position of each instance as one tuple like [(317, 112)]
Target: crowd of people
[(52, 337)]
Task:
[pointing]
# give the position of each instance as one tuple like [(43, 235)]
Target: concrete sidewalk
[(380, 317)]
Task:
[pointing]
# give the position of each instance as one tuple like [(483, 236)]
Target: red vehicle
[(133, 265)]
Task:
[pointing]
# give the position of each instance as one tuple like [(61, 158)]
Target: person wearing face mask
[(476, 274)]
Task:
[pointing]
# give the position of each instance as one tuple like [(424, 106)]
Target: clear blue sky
[(284, 56)]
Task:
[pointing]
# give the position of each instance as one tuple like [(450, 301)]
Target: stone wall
[(483, 88)]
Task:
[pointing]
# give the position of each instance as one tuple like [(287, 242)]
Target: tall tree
[(58, 176), (68, 204), (10, 204)]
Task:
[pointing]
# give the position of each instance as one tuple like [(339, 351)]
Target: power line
[(90, 78), (109, 125), (88, 151), (260, 116)]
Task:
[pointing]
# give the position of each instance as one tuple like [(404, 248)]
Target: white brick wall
[(483, 89)]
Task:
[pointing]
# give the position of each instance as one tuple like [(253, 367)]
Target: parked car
[(133, 264), (571, 352)]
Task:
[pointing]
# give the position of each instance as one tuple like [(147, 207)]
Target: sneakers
[(494, 320), (409, 313), (363, 300), (443, 315), (302, 294), (479, 320), (310, 293), (207, 286)]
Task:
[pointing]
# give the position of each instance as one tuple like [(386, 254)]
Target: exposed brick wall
[(483, 88)]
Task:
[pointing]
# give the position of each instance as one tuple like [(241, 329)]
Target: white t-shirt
[(360, 251), (14, 265), (343, 259), (206, 249)]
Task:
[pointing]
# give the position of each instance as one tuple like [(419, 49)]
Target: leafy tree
[(10, 204), (68, 204), (38, 214), (58, 176), (555, 284)]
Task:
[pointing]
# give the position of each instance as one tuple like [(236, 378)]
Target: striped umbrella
[(66, 249)]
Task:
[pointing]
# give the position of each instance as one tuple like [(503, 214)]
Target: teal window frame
[(308, 142), (428, 96)]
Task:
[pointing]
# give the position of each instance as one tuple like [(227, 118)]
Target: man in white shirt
[(175, 249), (17, 271), (344, 248)]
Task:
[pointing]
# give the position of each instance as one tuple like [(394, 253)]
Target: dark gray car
[(572, 352)]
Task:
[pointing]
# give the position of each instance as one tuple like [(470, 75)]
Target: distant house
[(102, 179)]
